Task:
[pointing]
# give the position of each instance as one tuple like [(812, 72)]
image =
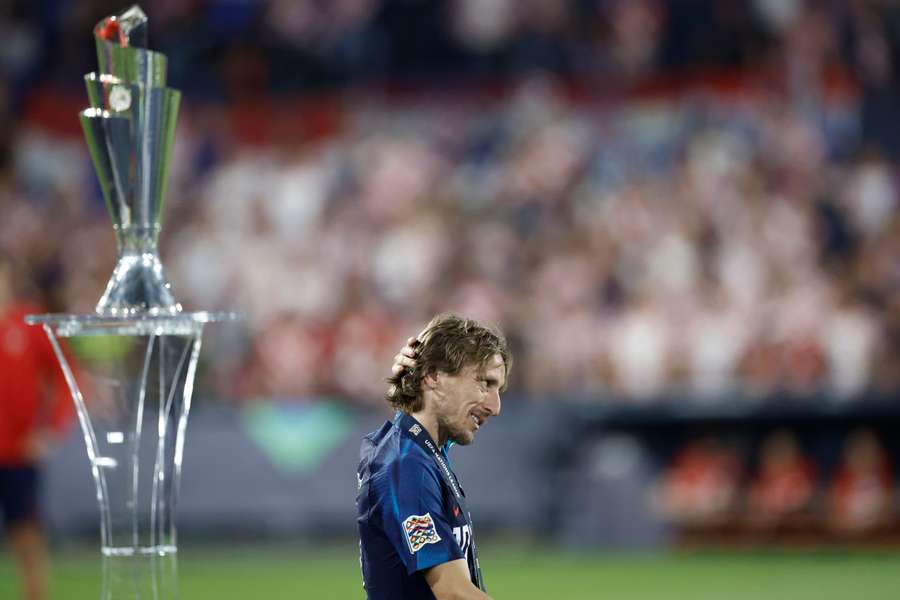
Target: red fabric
[(861, 496), (33, 394), (784, 488)]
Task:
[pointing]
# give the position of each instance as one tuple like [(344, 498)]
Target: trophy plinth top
[(185, 323)]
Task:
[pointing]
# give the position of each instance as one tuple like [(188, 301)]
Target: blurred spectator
[(782, 488), (699, 488), (861, 494), (850, 339), (872, 43), (35, 411)]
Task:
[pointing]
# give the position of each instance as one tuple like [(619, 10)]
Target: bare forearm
[(473, 593), (450, 581)]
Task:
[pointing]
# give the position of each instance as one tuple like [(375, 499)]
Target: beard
[(455, 433)]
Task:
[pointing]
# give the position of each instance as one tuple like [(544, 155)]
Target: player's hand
[(406, 358)]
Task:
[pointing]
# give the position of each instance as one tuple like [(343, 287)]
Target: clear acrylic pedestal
[(132, 386)]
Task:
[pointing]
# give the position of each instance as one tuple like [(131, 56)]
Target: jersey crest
[(420, 530)]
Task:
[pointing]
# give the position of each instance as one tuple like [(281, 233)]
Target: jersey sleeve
[(414, 518)]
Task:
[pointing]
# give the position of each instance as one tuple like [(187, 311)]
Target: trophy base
[(162, 550), (150, 577), (131, 379)]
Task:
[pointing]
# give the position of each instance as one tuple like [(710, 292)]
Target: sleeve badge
[(420, 530)]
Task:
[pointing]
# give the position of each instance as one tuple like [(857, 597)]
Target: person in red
[(700, 487), (861, 491), (785, 482), (35, 411)]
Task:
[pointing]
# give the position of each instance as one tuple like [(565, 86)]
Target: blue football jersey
[(408, 518)]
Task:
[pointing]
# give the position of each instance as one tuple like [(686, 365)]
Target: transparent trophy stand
[(133, 379), (132, 388)]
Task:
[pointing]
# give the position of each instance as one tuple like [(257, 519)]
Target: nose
[(492, 404)]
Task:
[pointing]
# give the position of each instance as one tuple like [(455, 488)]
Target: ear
[(431, 381)]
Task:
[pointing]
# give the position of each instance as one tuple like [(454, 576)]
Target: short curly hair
[(448, 344)]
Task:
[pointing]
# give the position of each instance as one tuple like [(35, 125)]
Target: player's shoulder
[(388, 450)]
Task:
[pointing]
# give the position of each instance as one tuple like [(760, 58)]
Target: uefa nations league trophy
[(137, 355)]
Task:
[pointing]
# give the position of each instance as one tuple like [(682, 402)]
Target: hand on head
[(406, 358)]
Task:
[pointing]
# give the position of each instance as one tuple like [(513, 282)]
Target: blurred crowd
[(228, 48), (714, 485), (693, 242)]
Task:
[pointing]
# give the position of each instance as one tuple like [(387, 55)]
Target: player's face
[(469, 399)]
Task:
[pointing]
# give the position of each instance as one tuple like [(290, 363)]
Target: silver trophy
[(136, 357), (130, 130)]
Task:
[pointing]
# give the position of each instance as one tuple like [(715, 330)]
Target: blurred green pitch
[(279, 573)]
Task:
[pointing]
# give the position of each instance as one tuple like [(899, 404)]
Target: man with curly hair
[(416, 538)]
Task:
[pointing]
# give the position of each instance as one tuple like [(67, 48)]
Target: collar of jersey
[(399, 414)]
